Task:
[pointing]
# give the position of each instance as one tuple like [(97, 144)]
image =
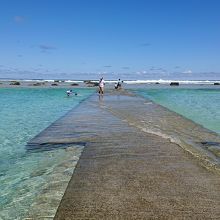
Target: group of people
[(118, 85)]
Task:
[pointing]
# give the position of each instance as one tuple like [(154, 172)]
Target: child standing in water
[(101, 86)]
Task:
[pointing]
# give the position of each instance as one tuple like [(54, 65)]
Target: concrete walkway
[(126, 173)]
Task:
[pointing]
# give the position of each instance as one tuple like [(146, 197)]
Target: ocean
[(27, 177)]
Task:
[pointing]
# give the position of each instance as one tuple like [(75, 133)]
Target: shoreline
[(40, 83)]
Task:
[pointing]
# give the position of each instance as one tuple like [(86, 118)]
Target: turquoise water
[(200, 105), (23, 114)]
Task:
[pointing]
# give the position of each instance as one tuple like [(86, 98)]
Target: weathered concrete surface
[(125, 173)]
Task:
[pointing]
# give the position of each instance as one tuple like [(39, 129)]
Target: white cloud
[(187, 72)]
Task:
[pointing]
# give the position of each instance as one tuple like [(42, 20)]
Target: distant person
[(70, 92), (101, 86), (118, 84)]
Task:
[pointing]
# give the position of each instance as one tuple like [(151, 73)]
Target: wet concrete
[(125, 172)]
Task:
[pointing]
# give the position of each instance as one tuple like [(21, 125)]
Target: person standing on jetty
[(101, 86), (118, 84)]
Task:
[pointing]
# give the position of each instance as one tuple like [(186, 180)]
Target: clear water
[(200, 105), (23, 175)]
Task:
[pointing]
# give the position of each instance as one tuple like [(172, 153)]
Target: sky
[(130, 39)]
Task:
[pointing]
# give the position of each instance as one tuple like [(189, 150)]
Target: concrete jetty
[(124, 171)]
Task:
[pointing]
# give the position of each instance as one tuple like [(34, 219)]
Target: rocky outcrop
[(91, 83), (74, 84), (15, 83), (174, 84)]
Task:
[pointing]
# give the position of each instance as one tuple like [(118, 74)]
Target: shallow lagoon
[(25, 176)]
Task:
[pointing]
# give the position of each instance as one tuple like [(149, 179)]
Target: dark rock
[(91, 83), (216, 84), (15, 83), (87, 81), (96, 84), (174, 84), (37, 84), (74, 84), (54, 84), (210, 143), (157, 83)]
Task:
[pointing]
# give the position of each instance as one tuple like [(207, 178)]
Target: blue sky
[(131, 39)]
